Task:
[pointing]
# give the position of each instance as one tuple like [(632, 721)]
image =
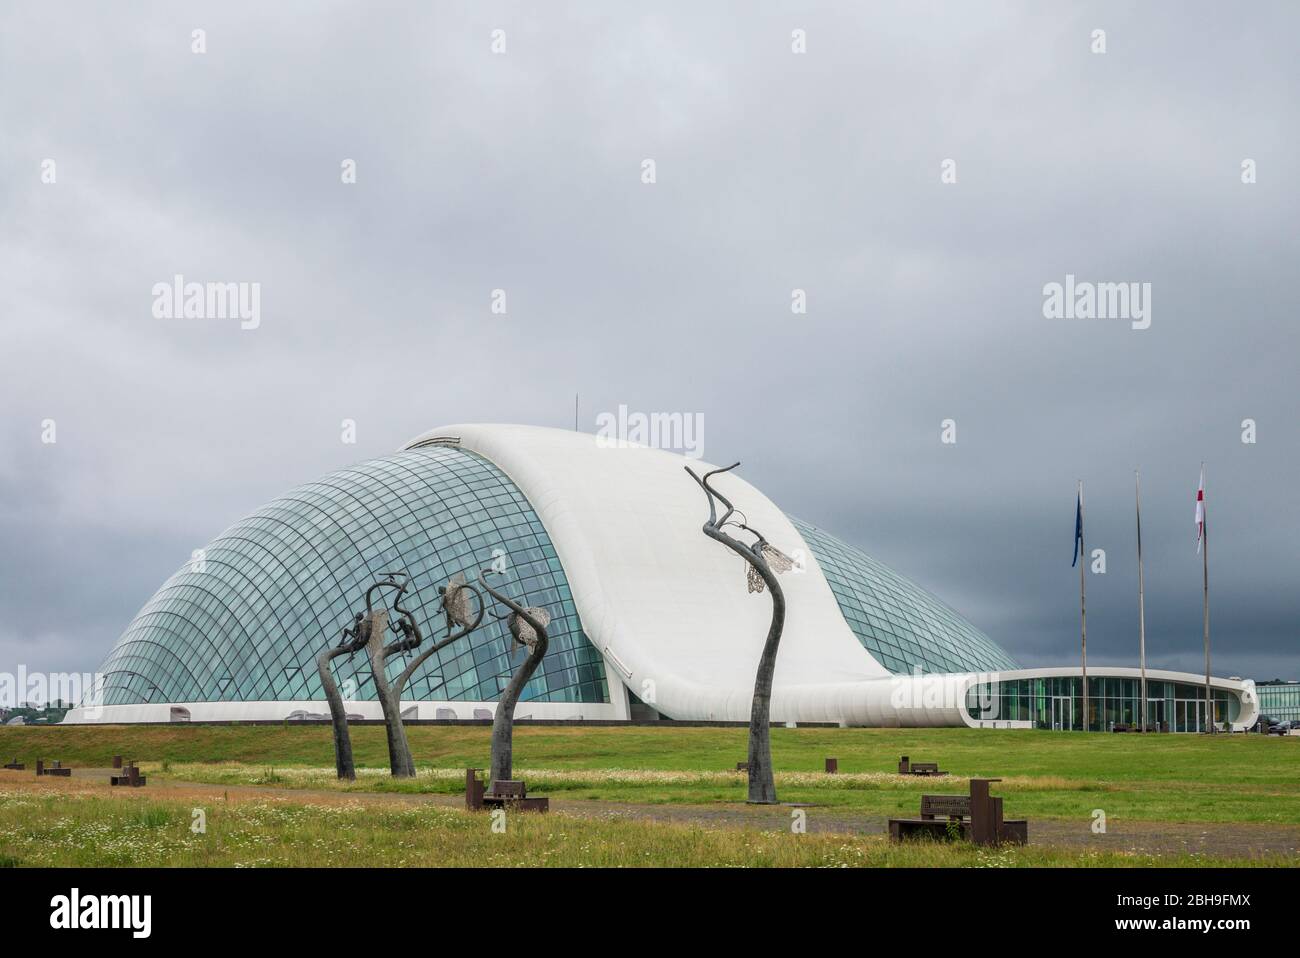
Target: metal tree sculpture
[(456, 608), (528, 631), (765, 561), (353, 641), (378, 619)]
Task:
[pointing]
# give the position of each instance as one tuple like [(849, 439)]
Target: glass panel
[(905, 628), (277, 587)]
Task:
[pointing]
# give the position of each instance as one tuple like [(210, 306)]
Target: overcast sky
[(775, 171)]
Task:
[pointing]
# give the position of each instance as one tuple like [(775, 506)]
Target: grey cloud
[(774, 172)]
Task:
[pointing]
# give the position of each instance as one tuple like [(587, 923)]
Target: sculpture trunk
[(343, 763), (762, 786), (504, 721), (400, 762)]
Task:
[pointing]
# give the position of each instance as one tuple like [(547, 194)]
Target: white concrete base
[(285, 711), (899, 701)]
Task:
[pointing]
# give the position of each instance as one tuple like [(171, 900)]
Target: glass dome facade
[(905, 628), (245, 620)]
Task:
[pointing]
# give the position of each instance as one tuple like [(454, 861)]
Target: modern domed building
[(650, 618)]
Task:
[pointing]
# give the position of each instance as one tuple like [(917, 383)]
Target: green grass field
[(68, 829), (663, 796), (1168, 778)]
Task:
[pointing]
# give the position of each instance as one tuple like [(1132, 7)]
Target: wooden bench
[(130, 777), (906, 767), (15, 766), (506, 790), (976, 817), (56, 768), (507, 793), (504, 793), (742, 766)]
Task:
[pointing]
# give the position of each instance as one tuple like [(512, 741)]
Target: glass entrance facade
[(1279, 700), (1056, 702)]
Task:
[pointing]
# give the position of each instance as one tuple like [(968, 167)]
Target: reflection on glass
[(277, 587)]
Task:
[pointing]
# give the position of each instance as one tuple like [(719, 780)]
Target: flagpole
[(1205, 588), (1083, 610), (1142, 615)]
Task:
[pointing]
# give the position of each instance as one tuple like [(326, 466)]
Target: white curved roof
[(669, 608), (664, 603)]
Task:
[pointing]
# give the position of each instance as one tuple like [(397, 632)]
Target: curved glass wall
[(1056, 702), (905, 628), (245, 620)]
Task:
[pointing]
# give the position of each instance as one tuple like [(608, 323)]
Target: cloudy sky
[(522, 170)]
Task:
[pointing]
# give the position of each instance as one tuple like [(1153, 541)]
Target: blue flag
[(1078, 529)]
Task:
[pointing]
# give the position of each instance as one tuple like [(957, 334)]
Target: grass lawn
[(1156, 778), (43, 825)]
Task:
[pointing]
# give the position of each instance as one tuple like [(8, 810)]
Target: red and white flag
[(1200, 511)]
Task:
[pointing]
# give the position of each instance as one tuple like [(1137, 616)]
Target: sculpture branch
[(400, 682), (368, 632), (762, 787), (528, 628), (353, 640), (401, 762)]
